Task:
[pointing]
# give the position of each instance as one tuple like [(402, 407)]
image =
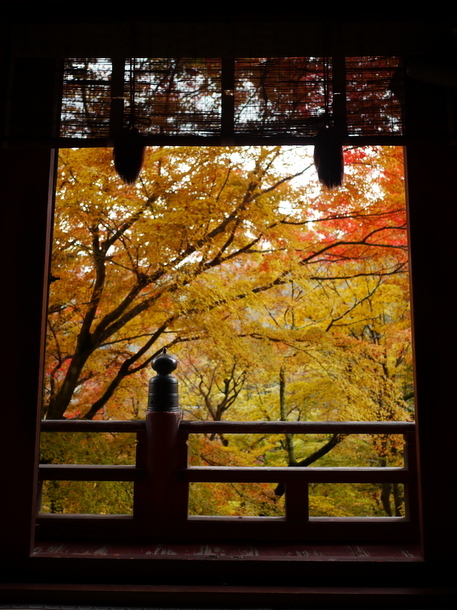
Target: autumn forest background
[(282, 300)]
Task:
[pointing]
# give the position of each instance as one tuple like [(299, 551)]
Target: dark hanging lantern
[(328, 144), (129, 147), (328, 157), (128, 154)]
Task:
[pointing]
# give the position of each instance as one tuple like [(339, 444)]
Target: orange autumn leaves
[(203, 250)]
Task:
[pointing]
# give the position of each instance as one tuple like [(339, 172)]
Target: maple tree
[(328, 349), (127, 260), (281, 300), (139, 267)]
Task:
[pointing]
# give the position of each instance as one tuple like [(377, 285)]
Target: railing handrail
[(91, 425), (297, 427), (234, 427), (285, 474), (90, 472)]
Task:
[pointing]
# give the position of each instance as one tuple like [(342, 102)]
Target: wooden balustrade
[(162, 475)]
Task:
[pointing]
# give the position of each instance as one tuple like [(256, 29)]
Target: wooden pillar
[(431, 163), (412, 505), (162, 426), (26, 193)]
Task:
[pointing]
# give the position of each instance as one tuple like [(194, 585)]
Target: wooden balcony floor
[(265, 552)]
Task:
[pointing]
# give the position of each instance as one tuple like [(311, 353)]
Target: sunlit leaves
[(237, 249)]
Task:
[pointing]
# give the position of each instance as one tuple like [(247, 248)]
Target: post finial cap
[(164, 363)]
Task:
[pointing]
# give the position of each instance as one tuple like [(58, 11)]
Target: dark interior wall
[(26, 192), (25, 195), (431, 164), (100, 32)]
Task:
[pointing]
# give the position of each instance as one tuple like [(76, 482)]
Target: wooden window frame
[(27, 171)]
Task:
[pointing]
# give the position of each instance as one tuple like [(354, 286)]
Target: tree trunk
[(336, 438), (289, 438)]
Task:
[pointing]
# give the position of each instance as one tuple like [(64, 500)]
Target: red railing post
[(412, 505), (182, 485), (140, 487), (297, 502), (162, 424)]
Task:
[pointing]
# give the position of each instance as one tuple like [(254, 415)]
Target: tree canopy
[(282, 300), (214, 244)]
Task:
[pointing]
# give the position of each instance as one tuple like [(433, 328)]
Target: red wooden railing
[(162, 475)]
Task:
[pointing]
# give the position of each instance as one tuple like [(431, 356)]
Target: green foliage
[(88, 497), (235, 500), (87, 448)]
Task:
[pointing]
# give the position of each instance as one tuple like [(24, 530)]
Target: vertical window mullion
[(117, 96), (339, 93), (228, 101)]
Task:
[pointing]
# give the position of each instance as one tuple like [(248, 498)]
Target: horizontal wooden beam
[(228, 474), (83, 472), (195, 140), (240, 596), (232, 474), (88, 425), (207, 529), (235, 427), (297, 427)]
